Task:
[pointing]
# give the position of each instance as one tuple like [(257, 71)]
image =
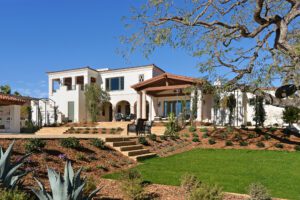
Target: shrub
[(143, 141), (273, 129), (238, 137), (163, 137), (13, 195), (258, 192), (251, 135), (204, 130), (207, 192), (189, 182), (195, 139), (172, 125), (70, 142), (297, 148), (260, 144), (279, 145), (267, 136), (228, 143), (195, 135), (211, 141), (103, 167), (89, 187), (186, 135), (152, 137), (224, 135), (243, 143), (34, 145), (99, 143), (132, 184), (80, 156), (192, 129), (205, 135), (87, 169)]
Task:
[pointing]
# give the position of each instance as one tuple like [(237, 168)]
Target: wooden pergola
[(6, 100), (164, 85)]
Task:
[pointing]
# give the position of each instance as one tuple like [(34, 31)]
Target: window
[(114, 84), (141, 77), (252, 101)]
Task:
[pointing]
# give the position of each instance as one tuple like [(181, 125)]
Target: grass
[(234, 170)]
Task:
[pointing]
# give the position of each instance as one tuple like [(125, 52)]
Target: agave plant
[(68, 187), (10, 173)]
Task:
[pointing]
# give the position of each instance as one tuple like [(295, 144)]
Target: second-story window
[(114, 84), (141, 77)]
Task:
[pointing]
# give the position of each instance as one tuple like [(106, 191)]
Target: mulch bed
[(91, 158), (272, 139)]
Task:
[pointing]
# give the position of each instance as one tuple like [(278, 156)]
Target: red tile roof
[(6, 99)]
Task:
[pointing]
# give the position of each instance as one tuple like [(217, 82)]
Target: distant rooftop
[(106, 69)]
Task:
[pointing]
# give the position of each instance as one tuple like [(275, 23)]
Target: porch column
[(144, 105), (138, 105), (15, 114), (73, 82), (113, 110), (199, 106)]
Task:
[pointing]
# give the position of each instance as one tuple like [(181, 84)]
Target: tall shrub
[(172, 125), (260, 113), (291, 115), (95, 98)]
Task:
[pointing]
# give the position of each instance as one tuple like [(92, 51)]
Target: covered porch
[(10, 114), (169, 93)]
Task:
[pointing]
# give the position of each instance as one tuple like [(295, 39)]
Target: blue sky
[(46, 35)]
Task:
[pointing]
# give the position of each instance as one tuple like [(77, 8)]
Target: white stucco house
[(143, 91)]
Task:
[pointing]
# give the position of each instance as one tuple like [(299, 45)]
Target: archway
[(106, 114), (123, 107)]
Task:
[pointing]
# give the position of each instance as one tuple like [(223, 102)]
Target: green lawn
[(234, 170)]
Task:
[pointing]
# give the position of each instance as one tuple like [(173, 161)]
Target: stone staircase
[(52, 131), (128, 146)]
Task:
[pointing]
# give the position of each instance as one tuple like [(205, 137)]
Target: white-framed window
[(141, 78)]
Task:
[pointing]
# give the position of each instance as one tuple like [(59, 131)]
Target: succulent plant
[(10, 174), (68, 187)]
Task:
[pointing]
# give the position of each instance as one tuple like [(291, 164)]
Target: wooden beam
[(165, 88)]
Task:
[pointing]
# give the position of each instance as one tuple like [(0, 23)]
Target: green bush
[(34, 145), (205, 135), (243, 143), (187, 135), (192, 129), (204, 130), (103, 167), (189, 182), (13, 195), (273, 129), (152, 137), (260, 144), (80, 156), (195, 135), (131, 184), (258, 192), (267, 136), (163, 137), (279, 146), (212, 141), (297, 148), (143, 141), (195, 139), (228, 143), (99, 143), (207, 192), (238, 137), (224, 135), (172, 125), (89, 186), (251, 135), (70, 142)]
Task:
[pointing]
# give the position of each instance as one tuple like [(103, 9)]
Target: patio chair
[(119, 117), (141, 127), (130, 117)]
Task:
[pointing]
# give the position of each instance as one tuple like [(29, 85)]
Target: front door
[(71, 111)]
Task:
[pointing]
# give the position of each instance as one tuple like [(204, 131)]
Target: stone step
[(131, 147), (116, 139), (124, 143), (144, 156), (138, 152)]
